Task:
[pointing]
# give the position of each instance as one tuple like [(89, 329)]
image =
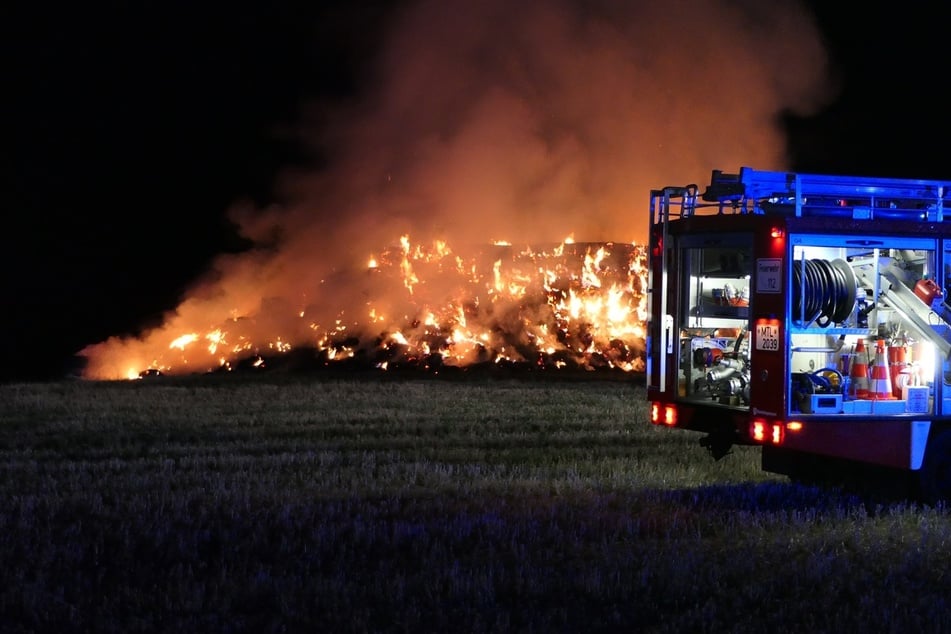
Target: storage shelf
[(796, 330), (728, 312)]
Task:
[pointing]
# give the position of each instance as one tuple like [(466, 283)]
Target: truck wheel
[(935, 478)]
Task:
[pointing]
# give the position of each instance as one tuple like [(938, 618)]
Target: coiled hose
[(822, 292), (822, 381)]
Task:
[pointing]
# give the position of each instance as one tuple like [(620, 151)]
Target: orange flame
[(571, 305)]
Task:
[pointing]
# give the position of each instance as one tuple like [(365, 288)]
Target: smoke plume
[(519, 121)]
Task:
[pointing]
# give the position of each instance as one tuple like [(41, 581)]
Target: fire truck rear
[(804, 313)]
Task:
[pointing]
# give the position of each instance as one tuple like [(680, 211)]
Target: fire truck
[(805, 314)]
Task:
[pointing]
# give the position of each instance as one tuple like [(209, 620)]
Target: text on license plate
[(767, 337)]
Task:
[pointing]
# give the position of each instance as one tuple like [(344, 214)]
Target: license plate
[(767, 337)]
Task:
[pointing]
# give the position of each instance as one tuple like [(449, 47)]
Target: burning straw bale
[(570, 305)]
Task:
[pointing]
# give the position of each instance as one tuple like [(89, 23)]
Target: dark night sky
[(134, 127), (131, 130)]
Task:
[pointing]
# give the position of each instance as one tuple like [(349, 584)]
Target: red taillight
[(663, 414), (777, 433), (764, 431), (758, 430), (670, 415)]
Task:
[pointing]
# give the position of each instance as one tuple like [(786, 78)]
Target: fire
[(183, 341), (427, 306)]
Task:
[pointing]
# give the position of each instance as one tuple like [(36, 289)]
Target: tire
[(934, 482)]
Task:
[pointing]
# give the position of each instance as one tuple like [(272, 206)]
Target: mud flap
[(718, 445)]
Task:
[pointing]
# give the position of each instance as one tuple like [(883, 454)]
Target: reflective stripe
[(919, 441)]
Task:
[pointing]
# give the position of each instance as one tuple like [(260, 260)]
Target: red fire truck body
[(804, 313)]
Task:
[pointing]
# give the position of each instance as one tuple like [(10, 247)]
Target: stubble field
[(285, 504)]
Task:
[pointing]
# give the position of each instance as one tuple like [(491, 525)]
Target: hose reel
[(823, 292)]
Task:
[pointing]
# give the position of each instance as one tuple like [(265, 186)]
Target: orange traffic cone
[(859, 372), (880, 387)]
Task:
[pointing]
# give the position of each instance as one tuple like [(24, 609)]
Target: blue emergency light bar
[(789, 193)]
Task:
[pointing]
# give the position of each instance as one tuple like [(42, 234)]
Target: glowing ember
[(573, 305)]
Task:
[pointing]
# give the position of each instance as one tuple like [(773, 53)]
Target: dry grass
[(269, 505)]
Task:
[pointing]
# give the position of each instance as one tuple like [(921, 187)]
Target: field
[(286, 504)]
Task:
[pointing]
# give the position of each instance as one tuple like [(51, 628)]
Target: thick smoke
[(519, 121)]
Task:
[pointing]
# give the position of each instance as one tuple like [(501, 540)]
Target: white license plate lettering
[(767, 337)]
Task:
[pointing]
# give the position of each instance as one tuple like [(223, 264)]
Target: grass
[(286, 504)]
